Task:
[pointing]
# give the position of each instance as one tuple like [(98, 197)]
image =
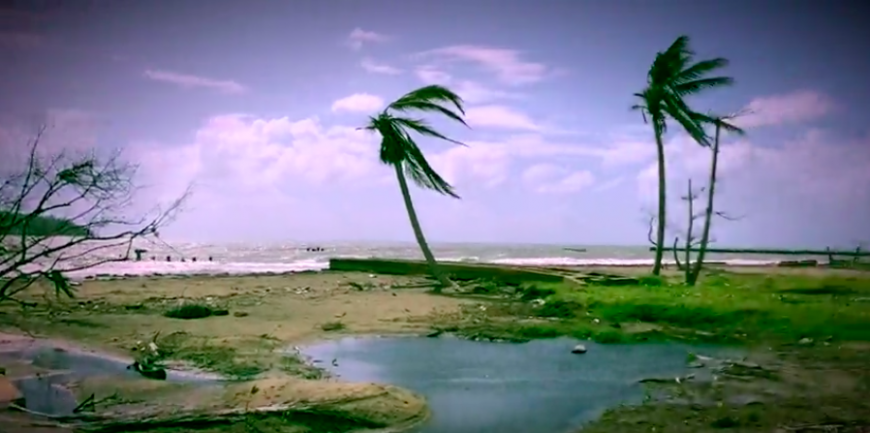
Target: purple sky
[(255, 102)]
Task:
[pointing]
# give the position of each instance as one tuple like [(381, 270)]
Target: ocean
[(252, 258)]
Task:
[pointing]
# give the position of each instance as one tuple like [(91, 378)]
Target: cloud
[(488, 163), (499, 116), (796, 107), (815, 168), (474, 92), (610, 184), (379, 68), (358, 102), (470, 91), (432, 75), (506, 64), (262, 155), (550, 178), (481, 163), (627, 152), (359, 37), (184, 80)]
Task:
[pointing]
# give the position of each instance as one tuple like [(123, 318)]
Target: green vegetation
[(236, 362), (41, 225), (810, 330), (400, 151), (670, 79), (725, 308)]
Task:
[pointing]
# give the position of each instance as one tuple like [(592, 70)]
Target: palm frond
[(731, 128), (669, 63), (680, 47), (392, 149), (423, 128), (429, 99), (723, 122), (700, 69), (643, 107), (399, 148), (418, 169), (720, 121), (677, 109), (697, 86)]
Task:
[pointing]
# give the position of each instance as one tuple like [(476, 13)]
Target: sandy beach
[(265, 316)]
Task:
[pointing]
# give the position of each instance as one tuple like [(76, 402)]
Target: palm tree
[(670, 79), (719, 123), (400, 151)]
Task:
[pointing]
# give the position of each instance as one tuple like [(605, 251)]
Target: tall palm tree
[(400, 151), (670, 79), (719, 123)]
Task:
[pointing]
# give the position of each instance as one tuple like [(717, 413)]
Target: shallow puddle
[(509, 388), (45, 389)]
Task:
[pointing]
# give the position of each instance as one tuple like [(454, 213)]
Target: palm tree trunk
[(418, 232), (660, 233), (711, 190)]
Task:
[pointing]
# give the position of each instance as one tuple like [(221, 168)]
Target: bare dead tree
[(87, 198), (691, 242), (689, 198), (719, 123)]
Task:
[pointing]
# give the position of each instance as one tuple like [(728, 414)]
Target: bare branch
[(649, 234), (727, 216), (67, 213)]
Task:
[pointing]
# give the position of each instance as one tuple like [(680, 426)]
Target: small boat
[(149, 371)]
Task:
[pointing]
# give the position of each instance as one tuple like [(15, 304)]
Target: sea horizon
[(168, 257)]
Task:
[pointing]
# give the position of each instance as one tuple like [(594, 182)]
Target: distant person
[(193, 259), (209, 258), (168, 258)]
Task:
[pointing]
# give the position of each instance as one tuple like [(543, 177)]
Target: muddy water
[(46, 391), (541, 387)]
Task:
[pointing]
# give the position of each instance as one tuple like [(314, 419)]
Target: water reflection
[(46, 391), (510, 388)]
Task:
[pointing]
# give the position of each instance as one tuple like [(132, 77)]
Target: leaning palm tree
[(719, 123), (400, 151), (670, 79)]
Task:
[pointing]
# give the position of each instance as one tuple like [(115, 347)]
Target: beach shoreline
[(130, 270), (279, 258)]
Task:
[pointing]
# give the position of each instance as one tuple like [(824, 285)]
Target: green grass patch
[(237, 361), (532, 291), (724, 307)]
